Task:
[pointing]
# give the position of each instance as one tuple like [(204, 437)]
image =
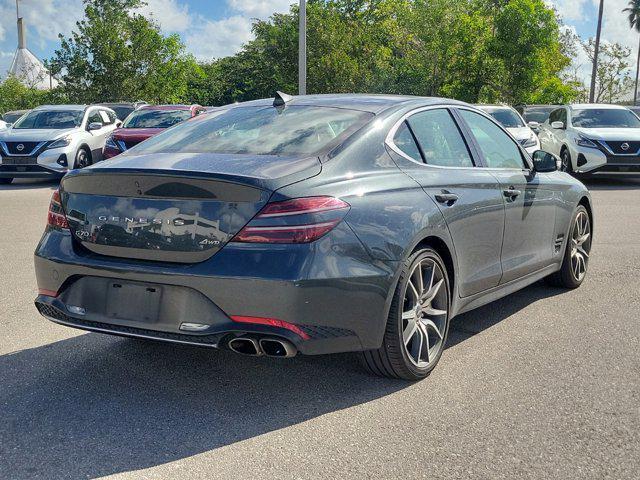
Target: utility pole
[(302, 49), (594, 72)]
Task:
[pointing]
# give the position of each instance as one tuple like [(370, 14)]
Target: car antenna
[(281, 99)]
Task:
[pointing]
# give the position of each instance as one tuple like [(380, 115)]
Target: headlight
[(585, 142), (531, 142), (61, 142), (111, 143)]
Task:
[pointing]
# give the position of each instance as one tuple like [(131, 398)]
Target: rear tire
[(576, 256), (418, 321), (5, 181)]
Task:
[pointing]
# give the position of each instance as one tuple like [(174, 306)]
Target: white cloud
[(215, 39), (260, 8), (571, 10), (171, 15)]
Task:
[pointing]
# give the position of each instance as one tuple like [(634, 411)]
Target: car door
[(528, 197), (438, 157), (552, 139)]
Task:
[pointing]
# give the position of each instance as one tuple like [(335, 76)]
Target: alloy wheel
[(580, 245), (82, 159), (424, 313)]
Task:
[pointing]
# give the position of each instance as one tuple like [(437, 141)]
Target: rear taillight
[(300, 220), (56, 217)]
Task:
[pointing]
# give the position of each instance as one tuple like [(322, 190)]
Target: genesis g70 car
[(313, 225)]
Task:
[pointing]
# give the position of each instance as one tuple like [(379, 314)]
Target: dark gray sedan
[(312, 224)]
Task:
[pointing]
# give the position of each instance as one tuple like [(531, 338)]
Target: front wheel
[(576, 256), (83, 159), (565, 158), (418, 321)]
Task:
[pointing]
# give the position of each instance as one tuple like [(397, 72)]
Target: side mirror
[(533, 125), (544, 162), (94, 126), (557, 125)]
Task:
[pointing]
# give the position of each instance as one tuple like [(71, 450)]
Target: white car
[(510, 119), (3, 125), (49, 140), (591, 138)]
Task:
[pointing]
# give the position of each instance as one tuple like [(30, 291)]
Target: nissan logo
[(624, 146), (20, 147)]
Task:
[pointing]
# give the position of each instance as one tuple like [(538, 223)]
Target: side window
[(405, 142), (498, 149), (563, 116), (555, 116), (94, 117), (440, 139)]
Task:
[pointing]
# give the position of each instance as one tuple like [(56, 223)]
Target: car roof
[(61, 107), (483, 106), (166, 107), (599, 106), (16, 111), (365, 102)]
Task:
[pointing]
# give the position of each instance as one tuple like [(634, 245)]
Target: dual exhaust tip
[(271, 347)]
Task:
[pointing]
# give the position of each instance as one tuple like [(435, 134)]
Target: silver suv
[(49, 140)]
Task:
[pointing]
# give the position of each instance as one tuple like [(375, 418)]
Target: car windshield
[(506, 117), (294, 130), (46, 119), (156, 118), (604, 118), (537, 114), (12, 117)]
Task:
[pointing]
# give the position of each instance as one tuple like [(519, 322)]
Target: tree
[(634, 22), (473, 50), (612, 75), (117, 54)]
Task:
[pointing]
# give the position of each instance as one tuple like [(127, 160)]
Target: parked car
[(49, 140), (12, 116), (510, 119), (122, 109), (3, 125), (146, 122), (312, 224), (535, 115), (591, 138)]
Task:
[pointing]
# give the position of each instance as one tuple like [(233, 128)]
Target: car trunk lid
[(182, 210)]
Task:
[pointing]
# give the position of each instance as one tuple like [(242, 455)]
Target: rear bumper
[(331, 290)]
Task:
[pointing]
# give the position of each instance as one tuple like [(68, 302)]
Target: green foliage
[(117, 54), (14, 95), (473, 50)]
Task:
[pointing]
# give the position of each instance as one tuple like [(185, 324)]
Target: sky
[(217, 28)]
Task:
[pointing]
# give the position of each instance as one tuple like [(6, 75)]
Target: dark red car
[(145, 122)]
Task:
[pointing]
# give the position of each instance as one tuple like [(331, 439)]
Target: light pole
[(302, 49), (594, 72)]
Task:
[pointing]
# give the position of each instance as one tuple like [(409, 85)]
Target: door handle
[(447, 198), (511, 192)]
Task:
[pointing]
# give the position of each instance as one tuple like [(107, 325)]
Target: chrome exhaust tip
[(274, 347), (245, 346)]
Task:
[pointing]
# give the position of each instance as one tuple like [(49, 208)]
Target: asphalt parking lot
[(542, 384)]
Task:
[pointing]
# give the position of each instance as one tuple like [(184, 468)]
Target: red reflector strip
[(47, 293), (286, 234), (272, 322)]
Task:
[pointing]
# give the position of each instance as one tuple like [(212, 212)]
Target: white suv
[(49, 140), (592, 138), (513, 122)]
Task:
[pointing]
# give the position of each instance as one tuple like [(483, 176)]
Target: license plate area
[(19, 161), (132, 301)]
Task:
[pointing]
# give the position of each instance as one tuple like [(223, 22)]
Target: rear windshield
[(604, 118), (122, 111), (42, 119), (537, 114), (156, 118), (506, 117), (12, 117), (291, 131)]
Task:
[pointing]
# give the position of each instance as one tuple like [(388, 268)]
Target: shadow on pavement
[(612, 182), (20, 184), (96, 405)]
